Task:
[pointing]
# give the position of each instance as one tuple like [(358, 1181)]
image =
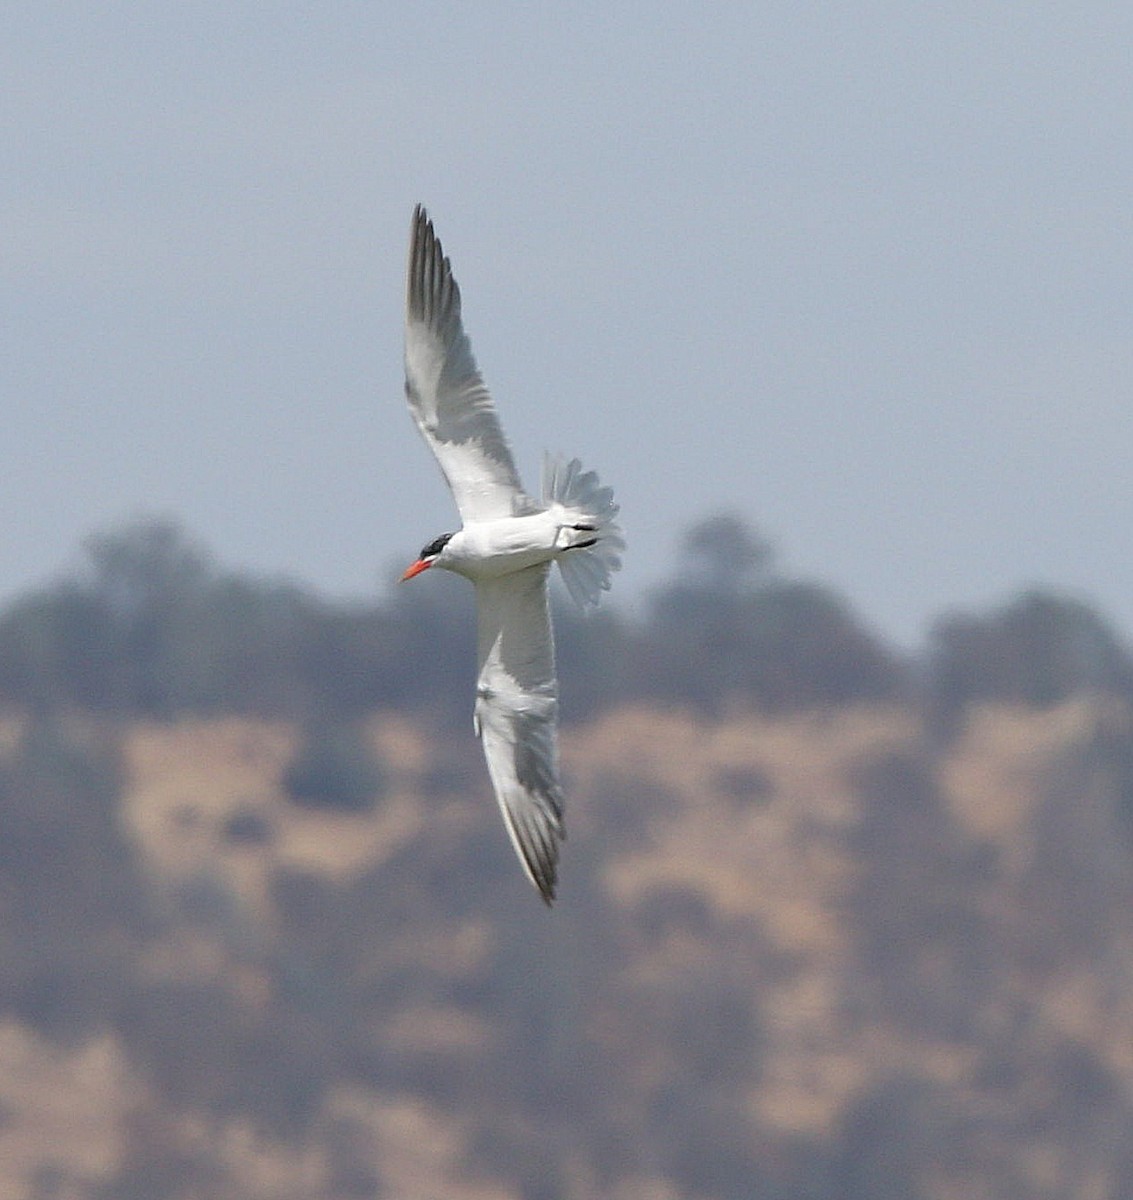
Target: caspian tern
[(506, 545)]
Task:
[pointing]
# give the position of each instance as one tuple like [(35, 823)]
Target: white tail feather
[(586, 570)]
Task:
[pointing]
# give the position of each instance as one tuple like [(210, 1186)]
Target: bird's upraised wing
[(516, 716), (446, 395)]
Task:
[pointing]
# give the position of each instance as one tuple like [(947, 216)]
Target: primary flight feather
[(506, 545)]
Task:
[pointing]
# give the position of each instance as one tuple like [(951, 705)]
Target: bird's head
[(431, 553)]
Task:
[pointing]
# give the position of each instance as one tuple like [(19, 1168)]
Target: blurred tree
[(58, 649), (123, 634), (594, 652), (729, 628), (722, 559), (148, 626), (1039, 649), (73, 895), (334, 769), (889, 1133), (726, 554), (149, 563)]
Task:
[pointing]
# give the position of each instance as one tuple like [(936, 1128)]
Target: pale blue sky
[(860, 272)]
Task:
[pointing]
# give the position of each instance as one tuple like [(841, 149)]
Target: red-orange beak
[(422, 564)]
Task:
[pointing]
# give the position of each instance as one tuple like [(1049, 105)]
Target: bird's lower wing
[(517, 716), (447, 397)]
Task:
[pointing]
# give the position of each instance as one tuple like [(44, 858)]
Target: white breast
[(488, 549)]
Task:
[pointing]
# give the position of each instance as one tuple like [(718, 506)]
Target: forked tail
[(595, 551)]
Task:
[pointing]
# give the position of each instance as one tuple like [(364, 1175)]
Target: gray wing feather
[(447, 397), (517, 715)]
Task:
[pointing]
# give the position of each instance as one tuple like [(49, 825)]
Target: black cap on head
[(436, 546)]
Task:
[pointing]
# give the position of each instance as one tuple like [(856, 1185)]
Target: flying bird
[(505, 546)]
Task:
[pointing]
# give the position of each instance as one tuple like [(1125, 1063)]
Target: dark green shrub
[(334, 769)]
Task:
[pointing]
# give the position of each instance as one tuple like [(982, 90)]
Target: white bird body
[(489, 549), (506, 546)]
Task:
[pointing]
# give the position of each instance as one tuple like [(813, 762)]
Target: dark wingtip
[(544, 873), (551, 892), (547, 890), (431, 292)]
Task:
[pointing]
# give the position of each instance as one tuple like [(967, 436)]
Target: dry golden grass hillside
[(800, 959)]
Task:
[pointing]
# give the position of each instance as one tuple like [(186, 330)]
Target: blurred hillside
[(833, 923)]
